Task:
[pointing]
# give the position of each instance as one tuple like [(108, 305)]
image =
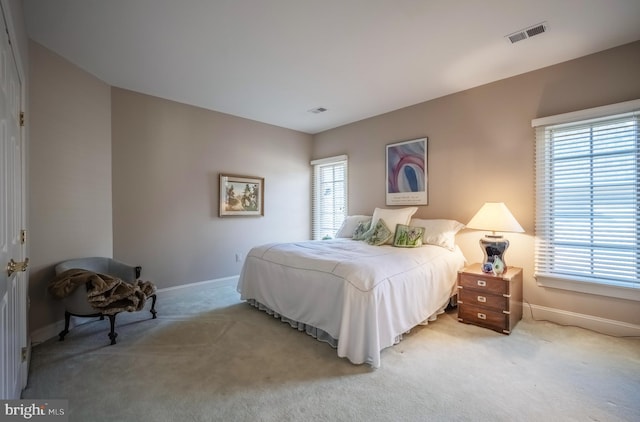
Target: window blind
[(587, 200), (329, 191)]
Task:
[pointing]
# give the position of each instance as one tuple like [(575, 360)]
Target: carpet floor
[(211, 357)]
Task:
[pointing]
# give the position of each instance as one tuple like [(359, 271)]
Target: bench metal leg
[(67, 318), (112, 333), (153, 306)]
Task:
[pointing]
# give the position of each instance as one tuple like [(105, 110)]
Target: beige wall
[(69, 172), (481, 148), (166, 161)]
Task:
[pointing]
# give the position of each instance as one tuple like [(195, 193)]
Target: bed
[(358, 297)]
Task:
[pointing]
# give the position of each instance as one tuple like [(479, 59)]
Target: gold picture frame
[(241, 196)]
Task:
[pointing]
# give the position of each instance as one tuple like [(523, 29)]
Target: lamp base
[(493, 246)]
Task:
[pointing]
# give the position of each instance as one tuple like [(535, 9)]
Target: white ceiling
[(273, 60)]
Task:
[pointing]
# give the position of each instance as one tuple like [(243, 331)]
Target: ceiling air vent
[(317, 110), (529, 32)]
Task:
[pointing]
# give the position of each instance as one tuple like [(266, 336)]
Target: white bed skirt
[(323, 336), (356, 297), (314, 332)]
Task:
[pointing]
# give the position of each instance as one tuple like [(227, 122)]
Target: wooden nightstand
[(493, 302)]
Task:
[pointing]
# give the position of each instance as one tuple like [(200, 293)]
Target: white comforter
[(365, 296)]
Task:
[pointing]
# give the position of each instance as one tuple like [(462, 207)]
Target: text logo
[(34, 410)]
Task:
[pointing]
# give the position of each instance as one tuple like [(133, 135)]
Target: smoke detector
[(529, 32)]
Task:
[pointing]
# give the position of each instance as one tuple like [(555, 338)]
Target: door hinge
[(23, 354), (22, 118), (23, 236)]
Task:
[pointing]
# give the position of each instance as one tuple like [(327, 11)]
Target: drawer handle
[(482, 299), (481, 316), (482, 283)]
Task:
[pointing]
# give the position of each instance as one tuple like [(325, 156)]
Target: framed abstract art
[(406, 173)]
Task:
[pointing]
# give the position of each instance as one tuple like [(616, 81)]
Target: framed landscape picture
[(406, 173), (241, 195)]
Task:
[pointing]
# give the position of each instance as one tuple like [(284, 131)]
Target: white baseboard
[(601, 325), (536, 312), (47, 332), (52, 330), (200, 283)]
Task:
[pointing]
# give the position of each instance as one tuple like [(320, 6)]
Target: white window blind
[(329, 195), (588, 198)]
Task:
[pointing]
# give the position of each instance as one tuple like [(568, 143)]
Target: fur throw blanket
[(106, 294)]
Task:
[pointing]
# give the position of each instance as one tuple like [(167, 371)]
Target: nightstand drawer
[(496, 320), (484, 283), (482, 299)]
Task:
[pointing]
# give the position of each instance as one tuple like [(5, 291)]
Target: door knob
[(14, 267)]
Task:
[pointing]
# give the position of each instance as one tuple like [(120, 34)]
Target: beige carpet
[(210, 357)]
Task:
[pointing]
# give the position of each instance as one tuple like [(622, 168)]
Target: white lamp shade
[(496, 217)]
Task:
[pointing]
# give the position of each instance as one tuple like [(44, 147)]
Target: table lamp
[(494, 217)]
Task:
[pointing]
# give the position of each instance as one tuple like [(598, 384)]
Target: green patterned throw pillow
[(379, 234), (361, 229), (408, 237)]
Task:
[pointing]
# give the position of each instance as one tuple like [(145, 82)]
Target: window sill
[(609, 290)]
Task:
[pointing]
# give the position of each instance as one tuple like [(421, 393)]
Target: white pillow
[(349, 225), (393, 217), (439, 232)]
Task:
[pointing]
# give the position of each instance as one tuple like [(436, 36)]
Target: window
[(329, 195), (588, 199)]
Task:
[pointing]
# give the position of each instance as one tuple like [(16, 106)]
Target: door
[(13, 262)]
